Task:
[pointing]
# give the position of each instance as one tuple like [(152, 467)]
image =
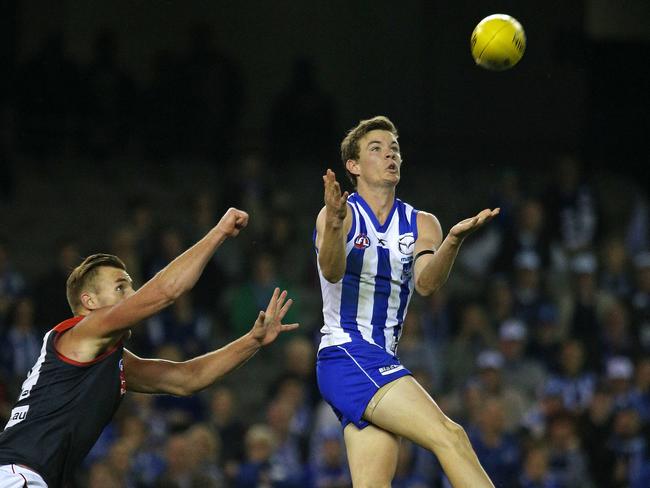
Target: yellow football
[(498, 42)]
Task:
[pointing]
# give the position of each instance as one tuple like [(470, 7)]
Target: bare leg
[(372, 455), (404, 408)]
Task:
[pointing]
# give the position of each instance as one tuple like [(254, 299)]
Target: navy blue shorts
[(349, 375)]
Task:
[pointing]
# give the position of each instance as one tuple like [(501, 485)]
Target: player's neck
[(380, 200)]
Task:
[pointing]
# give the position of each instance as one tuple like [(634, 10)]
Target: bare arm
[(188, 377), (102, 327), (332, 225), (432, 270)]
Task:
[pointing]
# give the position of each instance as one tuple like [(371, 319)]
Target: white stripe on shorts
[(355, 362)]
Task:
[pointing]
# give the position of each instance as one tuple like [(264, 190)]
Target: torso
[(63, 407), (369, 304)]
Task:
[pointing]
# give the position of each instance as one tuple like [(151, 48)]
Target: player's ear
[(88, 301), (352, 166)]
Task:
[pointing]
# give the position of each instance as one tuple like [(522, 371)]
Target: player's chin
[(393, 178)]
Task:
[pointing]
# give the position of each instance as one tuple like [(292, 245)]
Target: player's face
[(379, 158), (112, 285)]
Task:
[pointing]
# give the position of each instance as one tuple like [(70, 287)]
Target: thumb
[(261, 316)]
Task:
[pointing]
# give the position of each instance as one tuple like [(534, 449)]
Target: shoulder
[(428, 220), (429, 229)]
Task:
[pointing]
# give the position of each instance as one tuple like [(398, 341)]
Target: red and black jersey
[(62, 409)]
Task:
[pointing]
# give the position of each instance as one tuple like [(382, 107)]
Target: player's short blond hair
[(83, 275), (350, 144)]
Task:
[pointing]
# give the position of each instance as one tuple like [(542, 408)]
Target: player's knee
[(449, 436)]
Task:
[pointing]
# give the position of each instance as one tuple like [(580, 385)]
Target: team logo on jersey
[(406, 244), (362, 241), (122, 378)]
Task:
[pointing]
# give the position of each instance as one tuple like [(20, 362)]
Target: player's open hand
[(269, 323), (335, 202), (233, 221), (465, 227)]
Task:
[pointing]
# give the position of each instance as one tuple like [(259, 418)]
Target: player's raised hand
[(335, 202), (269, 323), (465, 227), (233, 221)]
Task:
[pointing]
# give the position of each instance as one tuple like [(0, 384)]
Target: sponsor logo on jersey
[(361, 241), (122, 378), (393, 368), (407, 271), (17, 415), (406, 243)]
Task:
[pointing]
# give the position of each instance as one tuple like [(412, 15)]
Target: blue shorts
[(349, 375)]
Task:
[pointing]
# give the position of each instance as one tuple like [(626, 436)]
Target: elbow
[(333, 277), (333, 274), (185, 387), (183, 391), (426, 289)]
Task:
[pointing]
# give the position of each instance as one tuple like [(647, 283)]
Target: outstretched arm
[(332, 225), (103, 327), (188, 377), (432, 270)]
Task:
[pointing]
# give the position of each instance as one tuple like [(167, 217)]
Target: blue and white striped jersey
[(369, 303)]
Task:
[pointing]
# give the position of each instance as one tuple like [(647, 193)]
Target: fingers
[(484, 216), (285, 309), (329, 178), (241, 219), (273, 302), (288, 327), (260, 318)]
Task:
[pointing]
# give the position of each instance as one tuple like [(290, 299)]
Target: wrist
[(454, 240), (219, 235), (334, 222), (250, 341)]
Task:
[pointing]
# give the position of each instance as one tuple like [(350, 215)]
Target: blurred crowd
[(539, 344)]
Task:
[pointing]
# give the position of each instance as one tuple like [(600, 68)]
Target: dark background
[(581, 84)]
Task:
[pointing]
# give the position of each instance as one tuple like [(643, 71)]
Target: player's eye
[(120, 288)]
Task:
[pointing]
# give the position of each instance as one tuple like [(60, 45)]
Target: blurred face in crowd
[(536, 464), (562, 433), (572, 358), (473, 319), (643, 279), (531, 217), (616, 323), (259, 443), (300, 356), (614, 256), (643, 375), (222, 404), (332, 452), (491, 418), (527, 278), (511, 348), (627, 423)]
